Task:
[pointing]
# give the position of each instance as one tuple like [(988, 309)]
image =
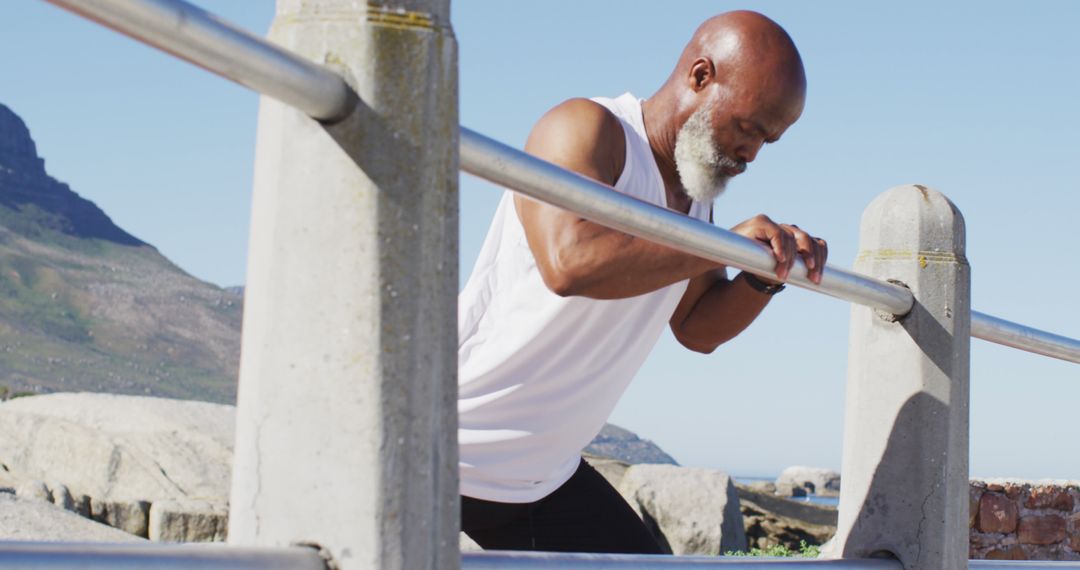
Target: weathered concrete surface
[(33, 520), (905, 469), (689, 510), (346, 419)]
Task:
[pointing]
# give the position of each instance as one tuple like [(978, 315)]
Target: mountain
[(614, 442), (84, 305)]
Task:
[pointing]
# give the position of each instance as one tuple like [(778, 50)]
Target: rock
[(997, 513), (8, 482), (770, 520), (120, 448), (33, 490), (1010, 553), (40, 521), (82, 505), (765, 487), (128, 516), (690, 511), (822, 482), (819, 515), (467, 544), (191, 521), (611, 470), (1049, 529), (61, 496), (1050, 497), (974, 497), (614, 442), (113, 456)]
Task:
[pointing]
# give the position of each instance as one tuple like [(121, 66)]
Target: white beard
[(699, 163)]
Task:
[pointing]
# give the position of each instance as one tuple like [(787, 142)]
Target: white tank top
[(539, 374)]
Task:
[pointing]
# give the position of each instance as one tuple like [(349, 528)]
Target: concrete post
[(347, 408), (905, 466)]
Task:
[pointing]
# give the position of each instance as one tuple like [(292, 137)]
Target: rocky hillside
[(614, 442), (84, 305)]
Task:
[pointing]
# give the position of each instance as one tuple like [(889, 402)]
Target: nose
[(748, 151)]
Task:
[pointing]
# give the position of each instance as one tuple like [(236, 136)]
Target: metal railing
[(197, 36), (561, 561), (105, 556)]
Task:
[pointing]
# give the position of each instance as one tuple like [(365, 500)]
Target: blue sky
[(978, 100)]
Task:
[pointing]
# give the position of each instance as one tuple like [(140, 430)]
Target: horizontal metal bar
[(1015, 335), (104, 556), (492, 560), (504, 560), (199, 37), (1025, 564), (509, 167)]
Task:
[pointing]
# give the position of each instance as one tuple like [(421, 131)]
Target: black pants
[(586, 514)]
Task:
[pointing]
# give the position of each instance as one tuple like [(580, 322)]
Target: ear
[(702, 73)]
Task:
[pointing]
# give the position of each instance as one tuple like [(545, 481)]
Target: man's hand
[(714, 309), (787, 242)]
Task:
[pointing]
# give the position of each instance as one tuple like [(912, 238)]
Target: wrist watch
[(761, 286)]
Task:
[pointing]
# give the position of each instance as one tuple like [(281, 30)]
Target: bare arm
[(579, 257), (715, 310)]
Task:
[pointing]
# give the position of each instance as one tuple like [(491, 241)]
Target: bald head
[(739, 84), (747, 53)]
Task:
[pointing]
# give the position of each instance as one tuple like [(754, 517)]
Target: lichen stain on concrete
[(923, 189)]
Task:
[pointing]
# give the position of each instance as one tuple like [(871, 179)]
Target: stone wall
[(1024, 520)]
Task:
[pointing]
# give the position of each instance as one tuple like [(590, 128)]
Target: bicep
[(578, 135)]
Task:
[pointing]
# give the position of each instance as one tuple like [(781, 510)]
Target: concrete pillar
[(347, 407), (905, 466)]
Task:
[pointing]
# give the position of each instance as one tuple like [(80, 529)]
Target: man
[(560, 312)]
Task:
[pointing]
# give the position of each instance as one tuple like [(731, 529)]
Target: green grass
[(33, 294), (780, 551)]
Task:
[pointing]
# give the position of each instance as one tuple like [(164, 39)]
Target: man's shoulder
[(583, 127), (583, 117)]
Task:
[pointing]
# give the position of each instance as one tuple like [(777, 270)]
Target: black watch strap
[(761, 286)]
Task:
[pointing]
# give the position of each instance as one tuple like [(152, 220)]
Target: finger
[(806, 247), (822, 257), (775, 238), (792, 253), (785, 252)]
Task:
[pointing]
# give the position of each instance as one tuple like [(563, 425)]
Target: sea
[(811, 498)]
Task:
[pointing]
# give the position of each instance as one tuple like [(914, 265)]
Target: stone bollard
[(347, 411), (905, 462)]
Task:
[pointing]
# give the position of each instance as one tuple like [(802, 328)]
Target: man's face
[(704, 169), (727, 131)]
